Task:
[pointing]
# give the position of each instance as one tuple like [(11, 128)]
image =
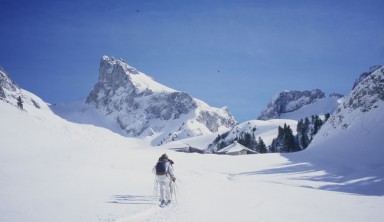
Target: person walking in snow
[(164, 178)]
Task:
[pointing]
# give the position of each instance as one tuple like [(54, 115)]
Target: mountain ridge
[(289, 101), (142, 107), (11, 93)]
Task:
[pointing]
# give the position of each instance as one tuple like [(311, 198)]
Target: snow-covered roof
[(235, 147)]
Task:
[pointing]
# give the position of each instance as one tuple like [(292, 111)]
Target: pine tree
[(317, 123), (248, 140), (262, 148), (326, 117), (284, 141), (273, 146), (302, 134), (307, 129), (288, 139), (279, 145), (221, 145), (253, 145), (20, 102)]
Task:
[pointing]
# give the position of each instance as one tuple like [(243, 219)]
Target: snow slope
[(55, 170), (319, 107)]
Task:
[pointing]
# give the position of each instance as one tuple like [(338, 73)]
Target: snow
[(55, 170), (79, 112), (134, 103), (266, 129), (183, 127), (234, 148), (140, 80), (320, 107), (143, 82)]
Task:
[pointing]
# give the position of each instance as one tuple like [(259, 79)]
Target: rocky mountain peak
[(289, 101), (111, 68), (142, 106), (367, 94), (6, 85), (10, 92), (365, 74), (119, 83)]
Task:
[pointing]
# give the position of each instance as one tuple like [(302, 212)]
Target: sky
[(237, 54)]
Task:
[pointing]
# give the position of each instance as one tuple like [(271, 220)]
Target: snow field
[(55, 170), (256, 187)]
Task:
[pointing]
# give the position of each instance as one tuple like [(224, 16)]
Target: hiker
[(164, 177)]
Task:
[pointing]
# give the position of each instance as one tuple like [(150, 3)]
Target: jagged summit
[(355, 129), (142, 106), (367, 94), (7, 87), (365, 74), (289, 101), (10, 92), (118, 72)]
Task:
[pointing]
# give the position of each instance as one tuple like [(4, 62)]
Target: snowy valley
[(70, 163)]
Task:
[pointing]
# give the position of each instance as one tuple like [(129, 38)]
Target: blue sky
[(227, 53)]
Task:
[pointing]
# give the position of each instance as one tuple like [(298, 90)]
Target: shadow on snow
[(368, 181), (133, 199)]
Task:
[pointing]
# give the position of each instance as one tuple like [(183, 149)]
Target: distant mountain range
[(300, 104), (291, 108), (131, 103), (294, 104), (54, 168)]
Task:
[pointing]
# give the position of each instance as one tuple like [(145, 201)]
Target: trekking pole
[(174, 190), (155, 188)]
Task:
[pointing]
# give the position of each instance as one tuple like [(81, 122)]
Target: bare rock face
[(143, 107), (11, 93), (7, 87), (365, 74), (289, 101), (367, 94)]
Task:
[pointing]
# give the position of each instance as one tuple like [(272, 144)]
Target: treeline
[(285, 142), (246, 139), (307, 129)]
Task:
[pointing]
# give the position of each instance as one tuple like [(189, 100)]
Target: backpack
[(161, 168)]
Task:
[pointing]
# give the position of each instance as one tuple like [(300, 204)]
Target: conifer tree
[(254, 144), (326, 116), (288, 139), (317, 123), (19, 102), (273, 146), (302, 134), (262, 148)]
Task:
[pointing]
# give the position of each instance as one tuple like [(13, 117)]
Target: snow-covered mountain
[(53, 169), (349, 145), (365, 74), (300, 104), (367, 95), (11, 92), (267, 130), (142, 107)]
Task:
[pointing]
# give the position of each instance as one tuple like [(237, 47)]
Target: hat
[(163, 157)]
